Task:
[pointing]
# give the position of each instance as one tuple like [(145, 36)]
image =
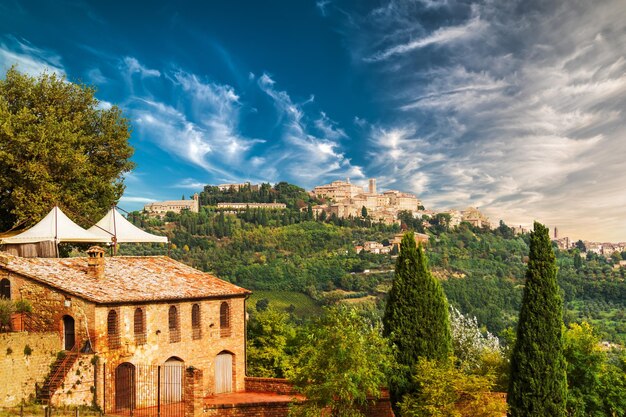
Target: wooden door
[(125, 387), (172, 385), (69, 337), (223, 373)]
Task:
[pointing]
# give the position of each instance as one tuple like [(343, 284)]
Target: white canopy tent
[(55, 227), (114, 225)]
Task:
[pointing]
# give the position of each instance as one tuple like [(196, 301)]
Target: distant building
[(520, 230), (176, 206), (474, 217), (419, 238), (349, 200), (238, 187), (337, 190)]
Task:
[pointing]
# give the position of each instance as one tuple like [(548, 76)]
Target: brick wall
[(20, 372), (276, 385), (248, 410), (380, 408)]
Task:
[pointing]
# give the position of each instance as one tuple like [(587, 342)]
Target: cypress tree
[(416, 317), (538, 384)]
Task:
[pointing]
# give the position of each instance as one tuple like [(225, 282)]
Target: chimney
[(95, 261)]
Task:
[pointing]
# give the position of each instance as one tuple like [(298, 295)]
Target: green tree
[(344, 361), (446, 391), (538, 385), (269, 334), (364, 212), (584, 368), (58, 147), (416, 316)]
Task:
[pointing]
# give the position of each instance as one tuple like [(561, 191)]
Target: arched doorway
[(172, 385), (125, 387), (69, 337), (224, 373)]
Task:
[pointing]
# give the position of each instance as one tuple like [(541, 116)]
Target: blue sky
[(516, 107)]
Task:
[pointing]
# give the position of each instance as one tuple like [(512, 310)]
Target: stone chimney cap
[(95, 251)]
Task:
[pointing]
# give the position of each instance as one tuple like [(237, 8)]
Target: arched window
[(196, 332), (113, 331), (224, 319), (139, 327), (5, 288), (174, 325)]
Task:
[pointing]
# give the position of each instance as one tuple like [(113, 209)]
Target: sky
[(515, 107)]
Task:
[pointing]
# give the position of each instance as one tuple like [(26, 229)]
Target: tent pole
[(56, 230), (114, 233)]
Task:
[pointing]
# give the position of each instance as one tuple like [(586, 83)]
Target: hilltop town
[(342, 199)]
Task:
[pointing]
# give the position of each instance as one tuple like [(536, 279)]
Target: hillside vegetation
[(281, 252)]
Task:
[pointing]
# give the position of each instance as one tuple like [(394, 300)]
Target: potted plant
[(6, 310), (22, 308)]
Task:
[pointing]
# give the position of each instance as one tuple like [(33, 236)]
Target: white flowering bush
[(472, 346)]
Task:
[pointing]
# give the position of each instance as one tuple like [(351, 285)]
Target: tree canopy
[(58, 146), (538, 385), (343, 361)]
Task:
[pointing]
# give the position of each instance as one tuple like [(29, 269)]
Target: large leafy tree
[(58, 146), (416, 317), (538, 384), (344, 361)]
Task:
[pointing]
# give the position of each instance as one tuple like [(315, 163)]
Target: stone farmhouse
[(176, 206), (134, 314)]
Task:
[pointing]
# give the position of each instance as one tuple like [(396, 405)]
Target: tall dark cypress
[(416, 317), (538, 385)]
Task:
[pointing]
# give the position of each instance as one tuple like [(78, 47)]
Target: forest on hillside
[(282, 253)]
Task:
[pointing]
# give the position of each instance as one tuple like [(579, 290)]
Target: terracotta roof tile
[(126, 278)]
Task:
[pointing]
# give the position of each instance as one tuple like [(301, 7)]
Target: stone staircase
[(55, 378)]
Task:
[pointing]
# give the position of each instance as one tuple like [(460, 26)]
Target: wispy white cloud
[(440, 36), (523, 117), (133, 66), (321, 6), (28, 58), (95, 76), (136, 199), (301, 155), (190, 183)]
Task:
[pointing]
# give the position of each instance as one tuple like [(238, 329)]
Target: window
[(196, 330), (113, 331), (174, 325), (224, 320), (139, 327), (5, 288)]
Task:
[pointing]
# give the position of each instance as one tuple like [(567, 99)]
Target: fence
[(144, 390)]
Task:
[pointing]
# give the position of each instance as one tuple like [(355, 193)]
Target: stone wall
[(199, 352), (49, 307), (19, 372), (78, 387)]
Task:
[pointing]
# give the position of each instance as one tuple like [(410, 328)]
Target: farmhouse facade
[(132, 314)]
